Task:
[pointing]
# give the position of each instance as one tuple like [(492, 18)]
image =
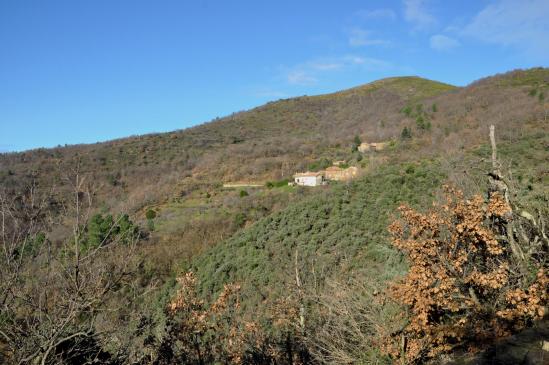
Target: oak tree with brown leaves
[(465, 287)]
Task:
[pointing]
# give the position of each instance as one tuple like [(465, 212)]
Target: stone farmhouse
[(334, 173), (310, 178)]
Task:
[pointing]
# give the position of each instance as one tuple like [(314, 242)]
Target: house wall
[(308, 180)]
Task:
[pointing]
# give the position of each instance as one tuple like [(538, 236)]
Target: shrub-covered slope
[(343, 228)]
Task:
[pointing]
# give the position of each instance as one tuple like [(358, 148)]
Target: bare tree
[(52, 294)]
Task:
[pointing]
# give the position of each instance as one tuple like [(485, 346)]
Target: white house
[(309, 178)]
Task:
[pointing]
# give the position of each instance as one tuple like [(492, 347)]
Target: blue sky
[(80, 71)]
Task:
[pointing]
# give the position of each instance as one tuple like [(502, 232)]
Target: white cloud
[(326, 66), (523, 24), (416, 12), (300, 77), (443, 43), (309, 73), (388, 14), (368, 63), (359, 37)]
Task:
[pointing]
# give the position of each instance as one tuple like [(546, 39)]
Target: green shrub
[(243, 193), (150, 214), (32, 246), (150, 225), (406, 133), (321, 164), (102, 230), (239, 219)]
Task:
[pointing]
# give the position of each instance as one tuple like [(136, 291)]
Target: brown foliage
[(464, 287), (211, 333)]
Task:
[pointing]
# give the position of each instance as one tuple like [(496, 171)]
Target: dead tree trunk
[(498, 185)]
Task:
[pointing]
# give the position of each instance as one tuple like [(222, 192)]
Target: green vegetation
[(277, 184), (356, 143), (32, 246), (344, 229), (103, 229), (420, 115), (150, 214), (319, 165), (407, 110), (422, 123), (530, 77), (406, 133)]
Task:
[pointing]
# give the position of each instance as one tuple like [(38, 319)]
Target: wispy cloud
[(311, 72), (441, 42), (368, 63), (417, 13), (387, 14), (522, 24), (301, 77), (360, 37)]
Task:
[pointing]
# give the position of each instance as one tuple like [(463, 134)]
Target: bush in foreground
[(470, 281)]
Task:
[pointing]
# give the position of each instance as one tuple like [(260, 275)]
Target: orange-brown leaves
[(462, 285), (529, 303), (216, 332)]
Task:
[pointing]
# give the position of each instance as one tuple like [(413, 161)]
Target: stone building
[(309, 178)]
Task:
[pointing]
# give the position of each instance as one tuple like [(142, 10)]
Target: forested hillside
[(132, 251)]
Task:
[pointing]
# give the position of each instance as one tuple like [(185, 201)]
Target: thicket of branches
[(202, 332), (52, 297)]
